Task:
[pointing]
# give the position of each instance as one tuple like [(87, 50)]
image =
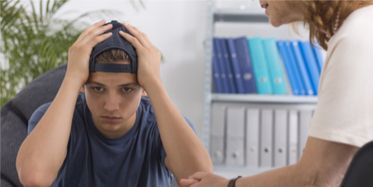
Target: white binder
[(266, 138), (252, 137), (217, 134), (235, 136), (304, 121), (280, 138), (293, 137)]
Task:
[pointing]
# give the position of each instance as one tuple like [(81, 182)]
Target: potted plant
[(33, 41)]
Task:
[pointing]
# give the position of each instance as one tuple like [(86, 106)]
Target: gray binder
[(266, 138), (217, 134), (235, 136), (304, 120), (280, 138), (252, 137), (293, 136)]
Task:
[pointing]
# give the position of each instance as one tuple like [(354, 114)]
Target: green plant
[(29, 43), (34, 41)]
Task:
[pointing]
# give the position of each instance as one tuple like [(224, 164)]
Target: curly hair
[(324, 17)]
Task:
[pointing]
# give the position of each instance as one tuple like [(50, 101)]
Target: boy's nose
[(112, 104)]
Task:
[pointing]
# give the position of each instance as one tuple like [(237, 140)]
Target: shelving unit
[(231, 16), (254, 98), (288, 102)]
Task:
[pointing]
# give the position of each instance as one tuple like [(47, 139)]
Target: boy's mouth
[(111, 119)]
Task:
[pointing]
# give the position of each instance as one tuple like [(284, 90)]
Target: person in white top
[(343, 120)]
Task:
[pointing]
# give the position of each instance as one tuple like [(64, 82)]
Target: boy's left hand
[(148, 56)]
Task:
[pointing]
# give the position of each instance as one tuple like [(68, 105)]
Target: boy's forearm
[(185, 152), (44, 149)]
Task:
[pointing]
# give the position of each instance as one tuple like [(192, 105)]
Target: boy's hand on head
[(149, 57), (79, 52)]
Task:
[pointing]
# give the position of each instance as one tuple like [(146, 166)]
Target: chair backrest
[(15, 115), (360, 171)]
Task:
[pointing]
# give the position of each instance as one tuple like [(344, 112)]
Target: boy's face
[(113, 99)]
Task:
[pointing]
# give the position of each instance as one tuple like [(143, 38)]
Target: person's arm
[(323, 164), (185, 153), (43, 151)]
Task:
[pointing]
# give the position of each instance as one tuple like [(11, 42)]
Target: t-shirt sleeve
[(36, 116), (344, 112)]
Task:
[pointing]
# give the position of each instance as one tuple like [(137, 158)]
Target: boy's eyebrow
[(93, 82), (128, 84)]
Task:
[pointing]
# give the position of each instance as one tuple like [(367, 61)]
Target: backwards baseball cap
[(115, 41)]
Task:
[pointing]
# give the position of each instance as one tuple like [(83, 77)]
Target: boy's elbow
[(35, 179), (33, 172)]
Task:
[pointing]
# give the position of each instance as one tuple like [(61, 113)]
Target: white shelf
[(247, 16), (240, 11), (264, 98), (238, 6)]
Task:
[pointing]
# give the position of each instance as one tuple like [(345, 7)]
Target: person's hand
[(148, 56), (204, 179), (79, 52)]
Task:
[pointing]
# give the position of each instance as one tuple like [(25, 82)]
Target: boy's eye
[(97, 89), (127, 90)]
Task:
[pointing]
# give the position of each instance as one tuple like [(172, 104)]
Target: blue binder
[(319, 59), (223, 74), (311, 64), (231, 88), (294, 66), (296, 90), (258, 59), (216, 70), (243, 55), (235, 64), (296, 52), (275, 67)]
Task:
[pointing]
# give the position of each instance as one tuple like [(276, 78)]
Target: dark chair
[(360, 171), (15, 115)]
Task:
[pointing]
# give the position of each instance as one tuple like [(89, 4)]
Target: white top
[(344, 112)]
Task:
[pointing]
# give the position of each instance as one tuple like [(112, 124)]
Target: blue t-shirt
[(135, 159)]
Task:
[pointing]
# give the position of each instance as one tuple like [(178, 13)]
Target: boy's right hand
[(80, 51)]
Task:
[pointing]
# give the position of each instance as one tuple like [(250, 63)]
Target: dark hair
[(112, 56), (322, 17)]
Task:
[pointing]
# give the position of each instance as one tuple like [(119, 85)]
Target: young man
[(110, 135)]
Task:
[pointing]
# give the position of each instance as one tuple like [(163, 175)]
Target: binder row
[(265, 66), (258, 137)]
